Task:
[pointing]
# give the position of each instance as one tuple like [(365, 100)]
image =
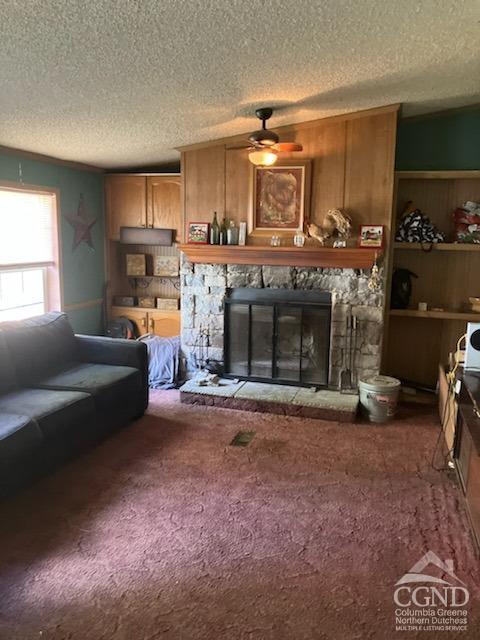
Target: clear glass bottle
[(232, 233), (215, 230), (299, 237)]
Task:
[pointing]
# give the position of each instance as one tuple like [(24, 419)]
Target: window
[(29, 269)]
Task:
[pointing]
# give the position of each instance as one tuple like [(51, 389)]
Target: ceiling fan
[(264, 144)]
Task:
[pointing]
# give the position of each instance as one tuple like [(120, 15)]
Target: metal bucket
[(379, 397)]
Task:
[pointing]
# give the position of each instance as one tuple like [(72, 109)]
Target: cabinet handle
[(152, 324), (142, 322)]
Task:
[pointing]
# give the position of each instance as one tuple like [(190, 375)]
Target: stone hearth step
[(273, 398)]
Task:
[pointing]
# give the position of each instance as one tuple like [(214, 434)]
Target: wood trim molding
[(87, 304), (348, 258), (32, 155), (241, 137), (154, 174), (437, 175)]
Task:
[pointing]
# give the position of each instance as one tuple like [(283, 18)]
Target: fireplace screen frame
[(276, 298)]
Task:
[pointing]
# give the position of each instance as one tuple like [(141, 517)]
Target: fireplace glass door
[(278, 336)]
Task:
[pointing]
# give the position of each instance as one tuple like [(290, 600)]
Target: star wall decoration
[(82, 225)]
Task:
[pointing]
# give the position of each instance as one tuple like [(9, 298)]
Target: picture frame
[(371, 236), (198, 232), (279, 198)]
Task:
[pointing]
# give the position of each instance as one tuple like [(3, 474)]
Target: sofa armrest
[(114, 351)]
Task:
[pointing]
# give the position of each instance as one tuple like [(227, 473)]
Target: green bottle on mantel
[(215, 230), (223, 231)]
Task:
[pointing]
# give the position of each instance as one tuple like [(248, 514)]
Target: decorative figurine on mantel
[(336, 224)]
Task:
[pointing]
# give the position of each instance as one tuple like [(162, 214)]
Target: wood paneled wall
[(352, 158)]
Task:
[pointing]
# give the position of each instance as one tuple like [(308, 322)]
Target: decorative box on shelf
[(147, 302), (136, 264), (124, 301), (167, 304), (166, 266)]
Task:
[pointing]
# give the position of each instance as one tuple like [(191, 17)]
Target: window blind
[(26, 227)]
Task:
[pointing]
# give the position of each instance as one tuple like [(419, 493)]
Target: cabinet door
[(137, 316), (163, 203), (126, 202), (164, 323)]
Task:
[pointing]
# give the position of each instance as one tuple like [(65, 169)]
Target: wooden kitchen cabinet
[(163, 204), (126, 203), (143, 201), (137, 316), (161, 323), (164, 323)]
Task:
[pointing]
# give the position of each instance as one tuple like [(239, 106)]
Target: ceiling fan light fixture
[(263, 157)]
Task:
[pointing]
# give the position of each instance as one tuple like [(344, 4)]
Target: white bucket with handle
[(379, 397)]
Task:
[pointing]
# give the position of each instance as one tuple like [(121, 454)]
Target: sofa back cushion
[(38, 346), (7, 372)]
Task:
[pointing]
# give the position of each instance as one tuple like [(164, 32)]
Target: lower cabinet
[(161, 323)]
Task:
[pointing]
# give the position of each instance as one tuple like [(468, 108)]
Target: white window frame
[(53, 281)]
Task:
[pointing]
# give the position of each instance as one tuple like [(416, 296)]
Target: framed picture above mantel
[(279, 199)]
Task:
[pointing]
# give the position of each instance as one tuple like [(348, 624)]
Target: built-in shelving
[(436, 246), (437, 315), (416, 342)]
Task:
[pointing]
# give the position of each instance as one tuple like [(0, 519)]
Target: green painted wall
[(84, 268), (445, 142)]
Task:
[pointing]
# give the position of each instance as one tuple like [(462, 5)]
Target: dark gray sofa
[(60, 392)]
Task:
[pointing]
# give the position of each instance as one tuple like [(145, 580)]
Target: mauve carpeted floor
[(165, 531)]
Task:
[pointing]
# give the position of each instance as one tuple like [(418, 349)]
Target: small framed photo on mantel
[(198, 232), (371, 236)]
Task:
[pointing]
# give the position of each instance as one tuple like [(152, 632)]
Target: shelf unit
[(416, 341), (436, 315), (142, 201), (439, 246)]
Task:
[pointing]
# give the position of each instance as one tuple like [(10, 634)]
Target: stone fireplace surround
[(204, 286)]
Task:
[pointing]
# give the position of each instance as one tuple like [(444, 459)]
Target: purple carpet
[(166, 531)]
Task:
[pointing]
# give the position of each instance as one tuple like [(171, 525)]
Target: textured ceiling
[(119, 83)]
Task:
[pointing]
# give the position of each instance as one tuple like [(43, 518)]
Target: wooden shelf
[(437, 175), (117, 307), (348, 258), (436, 315), (437, 246)]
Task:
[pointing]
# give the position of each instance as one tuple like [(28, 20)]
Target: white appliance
[(472, 348)]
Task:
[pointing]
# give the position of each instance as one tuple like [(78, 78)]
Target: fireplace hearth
[(277, 335)]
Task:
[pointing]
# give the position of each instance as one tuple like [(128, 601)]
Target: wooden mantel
[(348, 258)]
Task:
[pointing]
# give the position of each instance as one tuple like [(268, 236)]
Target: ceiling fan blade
[(288, 146), (243, 146)]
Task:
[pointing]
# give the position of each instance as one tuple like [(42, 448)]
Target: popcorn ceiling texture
[(121, 83), (203, 290)]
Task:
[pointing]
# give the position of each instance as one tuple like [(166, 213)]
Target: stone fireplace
[(277, 335), (206, 290)]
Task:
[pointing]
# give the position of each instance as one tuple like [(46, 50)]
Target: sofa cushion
[(7, 372), (38, 346), (54, 411), (110, 385), (18, 435)]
